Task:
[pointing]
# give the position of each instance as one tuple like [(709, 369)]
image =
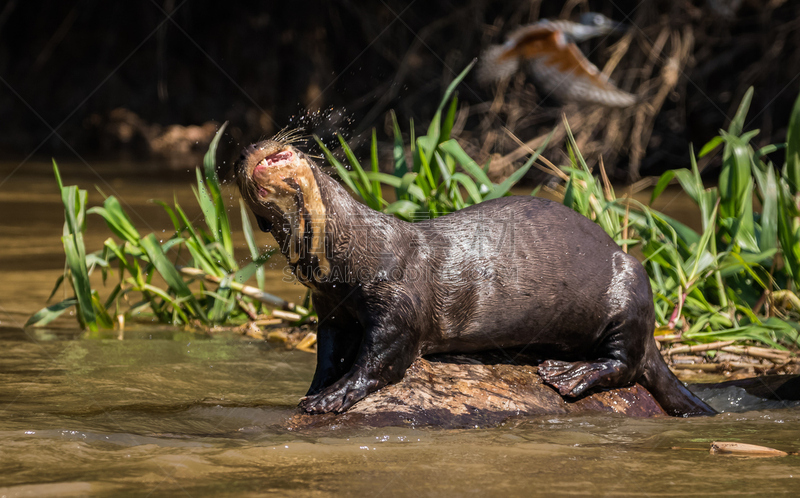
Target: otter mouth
[(272, 161)]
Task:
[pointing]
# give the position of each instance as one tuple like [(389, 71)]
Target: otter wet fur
[(516, 273)]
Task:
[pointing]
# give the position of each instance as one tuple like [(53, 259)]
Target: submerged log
[(458, 391)]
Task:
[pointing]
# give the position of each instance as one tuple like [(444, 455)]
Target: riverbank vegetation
[(729, 290), (220, 298)]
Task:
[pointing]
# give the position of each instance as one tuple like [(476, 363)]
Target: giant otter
[(515, 273)]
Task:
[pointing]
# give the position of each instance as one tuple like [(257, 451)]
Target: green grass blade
[(223, 227), (174, 219), (503, 188), (453, 84), (206, 203), (449, 120), (117, 220), (76, 260), (791, 170), (103, 317), (171, 275), (223, 300), (373, 156), (247, 228), (787, 236), (444, 171), (59, 281), (734, 178), (398, 151), (710, 146), (50, 313), (453, 148), (470, 186), (662, 184), (737, 123), (344, 174), (425, 179), (699, 260), (403, 209), (768, 222), (174, 303), (405, 185), (573, 147), (364, 185)]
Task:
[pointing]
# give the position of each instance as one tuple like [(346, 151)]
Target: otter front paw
[(338, 397)]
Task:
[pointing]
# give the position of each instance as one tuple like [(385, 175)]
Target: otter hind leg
[(619, 360), (575, 378)]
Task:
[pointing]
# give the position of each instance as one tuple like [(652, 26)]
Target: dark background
[(66, 66)]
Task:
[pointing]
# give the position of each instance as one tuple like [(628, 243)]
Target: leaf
[(735, 178), (710, 146), (453, 84), (405, 184), (222, 233), (398, 151), (737, 123), (786, 233), (404, 209), (469, 186), (197, 244), (444, 171), (662, 184), (701, 259), (344, 174), (449, 120), (117, 220), (503, 188), (175, 222), (425, 178), (50, 313), (791, 171), (247, 229), (768, 223), (171, 275), (58, 283), (573, 146), (454, 149), (76, 260), (103, 317), (376, 187), (364, 186)]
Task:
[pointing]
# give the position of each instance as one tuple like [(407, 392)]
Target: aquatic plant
[(221, 295), (737, 278), (431, 185)]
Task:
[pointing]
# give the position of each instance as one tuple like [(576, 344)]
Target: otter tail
[(670, 392)]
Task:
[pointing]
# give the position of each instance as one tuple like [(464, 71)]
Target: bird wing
[(559, 67)]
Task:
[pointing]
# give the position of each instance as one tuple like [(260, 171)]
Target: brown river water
[(158, 411)]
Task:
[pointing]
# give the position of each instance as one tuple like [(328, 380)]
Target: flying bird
[(547, 50)]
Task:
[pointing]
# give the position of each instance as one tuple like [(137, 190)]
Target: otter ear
[(264, 224)]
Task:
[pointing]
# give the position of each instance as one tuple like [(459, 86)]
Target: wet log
[(457, 391)]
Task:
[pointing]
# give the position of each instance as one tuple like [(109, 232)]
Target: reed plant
[(220, 294), (430, 185), (735, 279)]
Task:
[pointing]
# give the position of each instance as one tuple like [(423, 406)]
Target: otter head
[(278, 183)]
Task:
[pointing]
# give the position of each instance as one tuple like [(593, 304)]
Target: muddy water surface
[(158, 411)]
